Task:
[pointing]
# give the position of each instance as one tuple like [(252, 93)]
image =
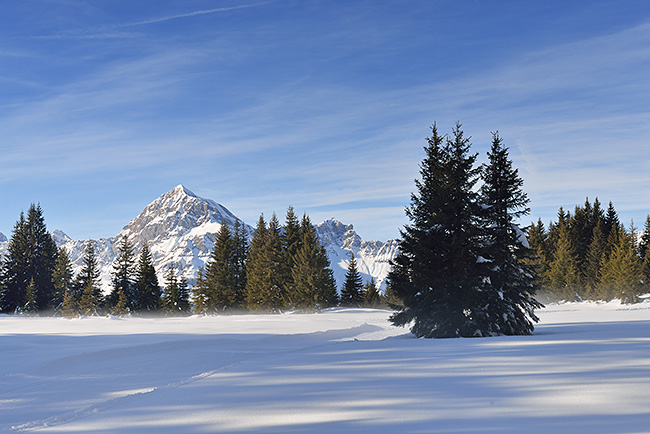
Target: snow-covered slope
[(180, 229), (584, 370)]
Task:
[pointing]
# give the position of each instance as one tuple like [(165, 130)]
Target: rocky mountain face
[(180, 229)]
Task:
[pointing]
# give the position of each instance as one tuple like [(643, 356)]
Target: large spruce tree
[(508, 289), (437, 272)]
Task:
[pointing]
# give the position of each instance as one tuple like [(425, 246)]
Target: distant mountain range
[(180, 228)]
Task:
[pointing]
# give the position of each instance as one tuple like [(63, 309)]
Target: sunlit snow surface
[(586, 369)]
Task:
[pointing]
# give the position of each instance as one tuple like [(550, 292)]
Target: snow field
[(586, 369)]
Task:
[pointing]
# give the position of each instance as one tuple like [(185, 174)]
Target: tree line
[(283, 267), (589, 254)]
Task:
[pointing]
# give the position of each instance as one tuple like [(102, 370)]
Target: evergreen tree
[(539, 259), (88, 304), (91, 299), (276, 291), (622, 274), (70, 307), (581, 232), (612, 224), (42, 258), (31, 257), (371, 294), (62, 279), (147, 289), (183, 302), (313, 283), (292, 236), (596, 254), (31, 306), (258, 270), (14, 269), (435, 272), (200, 293), (597, 213), (352, 292), (121, 307), (175, 295), (508, 289), (563, 277), (644, 242), (267, 273), (240, 256), (221, 274), (124, 276)]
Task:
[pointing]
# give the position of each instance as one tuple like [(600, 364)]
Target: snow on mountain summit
[(175, 214)]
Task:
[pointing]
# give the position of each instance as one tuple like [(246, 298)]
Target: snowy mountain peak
[(332, 231), (182, 190), (175, 214), (60, 237), (2, 237)]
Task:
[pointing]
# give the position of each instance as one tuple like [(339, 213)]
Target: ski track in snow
[(586, 369)]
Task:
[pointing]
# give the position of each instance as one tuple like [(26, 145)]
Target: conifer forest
[(465, 266)]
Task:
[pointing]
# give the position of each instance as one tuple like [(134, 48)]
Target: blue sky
[(322, 105)]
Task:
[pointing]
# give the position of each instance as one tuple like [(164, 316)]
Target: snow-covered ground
[(585, 369)]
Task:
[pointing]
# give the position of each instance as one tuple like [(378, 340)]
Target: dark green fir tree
[(436, 272), (508, 288), (124, 277), (14, 269), (62, 279), (31, 259), (267, 272), (221, 274), (258, 269), (352, 292), (147, 289)]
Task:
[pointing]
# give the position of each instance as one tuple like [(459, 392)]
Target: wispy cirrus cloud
[(112, 31), (191, 14)]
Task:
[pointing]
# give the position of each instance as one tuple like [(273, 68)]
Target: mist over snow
[(585, 369)]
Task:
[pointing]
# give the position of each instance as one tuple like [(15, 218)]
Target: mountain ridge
[(180, 227)]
